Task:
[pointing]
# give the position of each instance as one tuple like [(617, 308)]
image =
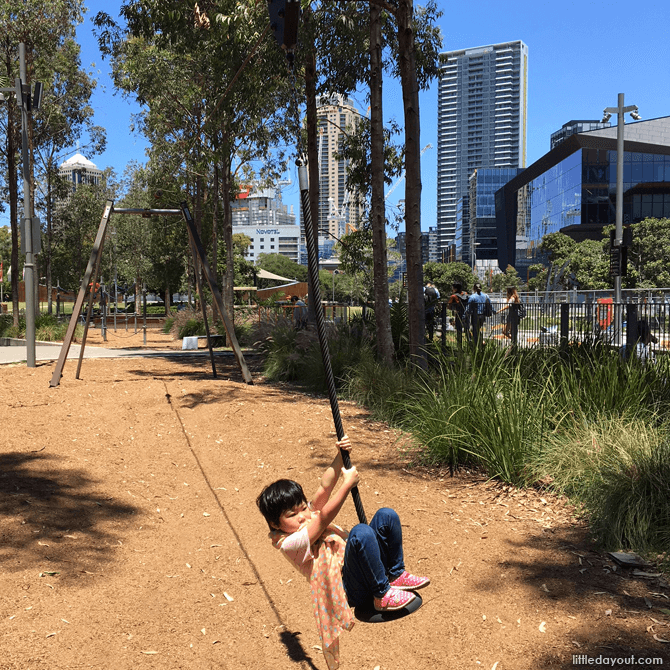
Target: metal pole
[(619, 192), (28, 222), (103, 311), (144, 310)]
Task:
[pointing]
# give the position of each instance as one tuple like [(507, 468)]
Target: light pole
[(30, 225), (619, 110)]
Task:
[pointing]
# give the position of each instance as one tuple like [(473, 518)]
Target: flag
[(1, 275)]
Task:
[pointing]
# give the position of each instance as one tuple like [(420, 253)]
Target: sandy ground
[(129, 536)]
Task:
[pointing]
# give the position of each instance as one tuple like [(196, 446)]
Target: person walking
[(430, 296), (458, 302), (478, 310), (299, 313), (512, 298)]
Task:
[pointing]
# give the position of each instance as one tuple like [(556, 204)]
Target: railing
[(555, 323)]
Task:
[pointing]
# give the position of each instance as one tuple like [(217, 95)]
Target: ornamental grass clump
[(619, 469), (385, 391), (478, 409)]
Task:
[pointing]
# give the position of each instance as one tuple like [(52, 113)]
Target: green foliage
[(558, 246), (295, 355), (501, 281), (355, 151), (443, 275), (647, 256), (188, 323), (475, 411), (282, 266), (76, 228), (618, 468), (6, 325), (381, 389), (400, 330)]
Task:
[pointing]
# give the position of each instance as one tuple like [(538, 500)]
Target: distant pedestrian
[(458, 302), (430, 296), (478, 310), (512, 299), (299, 313), (643, 350)]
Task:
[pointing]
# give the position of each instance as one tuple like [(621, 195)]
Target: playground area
[(130, 536)]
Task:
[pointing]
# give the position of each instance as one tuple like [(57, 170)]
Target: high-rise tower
[(78, 170), (336, 116), (481, 121)]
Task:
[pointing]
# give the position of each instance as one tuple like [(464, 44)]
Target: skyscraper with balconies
[(481, 121), (339, 210)]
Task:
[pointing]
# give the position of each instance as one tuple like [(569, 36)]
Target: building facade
[(266, 221), (574, 127), (482, 100), (78, 170), (482, 241), (572, 189), (339, 209)]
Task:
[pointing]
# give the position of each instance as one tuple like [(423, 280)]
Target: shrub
[(6, 322), (189, 322), (384, 390), (619, 469)]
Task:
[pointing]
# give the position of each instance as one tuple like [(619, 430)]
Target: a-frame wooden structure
[(92, 273)]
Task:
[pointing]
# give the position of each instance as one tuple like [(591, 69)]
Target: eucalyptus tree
[(211, 85), (75, 228), (416, 63), (65, 118), (42, 25), (393, 31)]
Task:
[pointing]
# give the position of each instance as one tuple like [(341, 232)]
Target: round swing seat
[(371, 615)]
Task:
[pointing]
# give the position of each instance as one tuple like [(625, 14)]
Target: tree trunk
[(215, 233), (312, 159), (49, 236), (228, 291), (378, 213), (410, 96)]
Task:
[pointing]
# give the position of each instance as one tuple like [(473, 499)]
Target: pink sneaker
[(393, 600), (407, 582)]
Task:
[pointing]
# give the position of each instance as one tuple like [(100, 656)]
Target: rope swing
[(284, 21)]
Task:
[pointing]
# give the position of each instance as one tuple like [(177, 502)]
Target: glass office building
[(483, 186), (572, 189), (572, 127)]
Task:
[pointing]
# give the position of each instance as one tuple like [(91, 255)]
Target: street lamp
[(620, 110), (28, 101)]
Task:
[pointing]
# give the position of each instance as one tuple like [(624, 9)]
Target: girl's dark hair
[(278, 497), (458, 287)]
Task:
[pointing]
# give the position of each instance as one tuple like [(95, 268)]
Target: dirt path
[(129, 537)]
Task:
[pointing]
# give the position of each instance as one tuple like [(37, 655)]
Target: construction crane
[(402, 176)]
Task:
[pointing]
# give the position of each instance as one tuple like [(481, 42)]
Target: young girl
[(359, 568)]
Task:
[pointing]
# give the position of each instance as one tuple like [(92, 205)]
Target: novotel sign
[(268, 231)]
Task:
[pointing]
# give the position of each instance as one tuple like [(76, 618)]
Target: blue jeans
[(372, 558)]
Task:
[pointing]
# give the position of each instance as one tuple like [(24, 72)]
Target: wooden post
[(94, 262), (216, 294)]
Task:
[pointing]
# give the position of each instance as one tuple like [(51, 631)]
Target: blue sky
[(581, 55)]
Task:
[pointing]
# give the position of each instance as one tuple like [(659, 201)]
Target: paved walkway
[(16, 352)]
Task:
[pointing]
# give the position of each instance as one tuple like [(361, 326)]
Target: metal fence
[(554, 323)]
